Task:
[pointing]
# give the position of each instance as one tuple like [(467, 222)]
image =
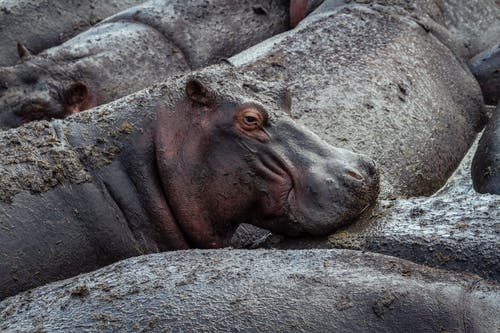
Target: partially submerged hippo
[(486, 163), (131, 51), (173, 167), (373, 79), (259, 291), (43, 24)]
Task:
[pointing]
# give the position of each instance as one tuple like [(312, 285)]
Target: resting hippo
[(466, 26), (372, 79), (486, 163), (486, 67), (259, 291), (131, 51), (43, 24), (455, 229), (173, 167)]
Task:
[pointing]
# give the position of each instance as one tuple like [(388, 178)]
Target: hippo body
[(486, 163), (259, 291), (131, 51), (40, 25), (467, 26), (374, 80), (162, 170), (486, 68)]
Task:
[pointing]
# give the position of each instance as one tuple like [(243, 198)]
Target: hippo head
[(38, 88), (230, 154)]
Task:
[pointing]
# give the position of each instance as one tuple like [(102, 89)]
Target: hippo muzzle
[(329, 186)]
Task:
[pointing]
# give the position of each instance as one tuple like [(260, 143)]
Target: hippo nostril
[(354, 175)]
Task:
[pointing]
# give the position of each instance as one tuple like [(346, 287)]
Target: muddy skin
[(260, 291), (163, 37), (40, 25), (486, 163), (466, 27), (176, 166), (373, 80), (452, 231), (455, 229), (486, 68)]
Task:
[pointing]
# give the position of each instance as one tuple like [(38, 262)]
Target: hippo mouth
[(315, 198), (322, 206)]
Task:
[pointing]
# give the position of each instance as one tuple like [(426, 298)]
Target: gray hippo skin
[(40, 24), (466, 26), (486, 67), (176, 166), (486, 163), (372, 79), (259, 291), (455, 229), (397, 117), (131, 51)]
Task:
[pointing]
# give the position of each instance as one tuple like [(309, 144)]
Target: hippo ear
[(76, 95), (199, 93), (23, 51)]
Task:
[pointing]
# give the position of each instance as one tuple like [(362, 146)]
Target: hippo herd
[(138, 138)]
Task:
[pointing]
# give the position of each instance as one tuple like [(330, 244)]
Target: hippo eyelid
[(260, 108)]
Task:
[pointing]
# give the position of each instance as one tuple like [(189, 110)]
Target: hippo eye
[(250, 119)]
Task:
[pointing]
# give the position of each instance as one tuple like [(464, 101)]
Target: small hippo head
[(230, 153), (38, 88)]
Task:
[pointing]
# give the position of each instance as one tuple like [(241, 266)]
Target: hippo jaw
[(329, 186)]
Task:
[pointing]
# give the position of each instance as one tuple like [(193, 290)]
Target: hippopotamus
[(486, 67), (130, 51), (486, 163), (466, 26), (44, 24), (372, 79), (454, 229), (260, 291), (176, 166)]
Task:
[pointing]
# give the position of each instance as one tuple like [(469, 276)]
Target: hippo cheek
[(277, 183), (324, 200)]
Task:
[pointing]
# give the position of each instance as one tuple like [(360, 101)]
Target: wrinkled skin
[(486, 68), (173, 167), (486, 163), (101, 64), (260, 291)]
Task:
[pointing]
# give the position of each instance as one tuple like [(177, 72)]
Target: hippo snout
[(365, 173), (333, 192)]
